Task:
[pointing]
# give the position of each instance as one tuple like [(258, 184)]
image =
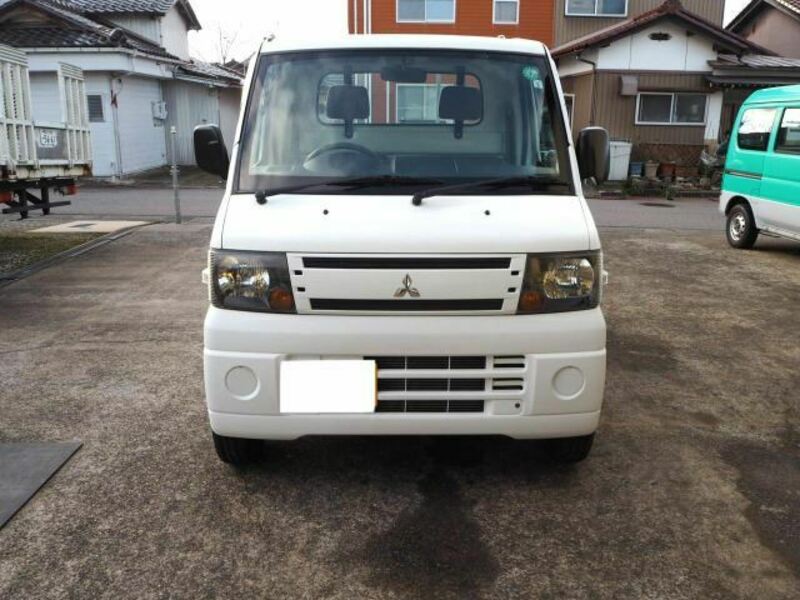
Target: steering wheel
[(342, 158)]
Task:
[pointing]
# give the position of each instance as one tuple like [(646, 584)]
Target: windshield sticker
[(531, 73)]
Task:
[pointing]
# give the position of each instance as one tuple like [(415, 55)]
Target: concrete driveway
[(693, 489), (155, 203)]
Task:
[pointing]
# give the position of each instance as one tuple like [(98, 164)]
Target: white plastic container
[(620, 160)]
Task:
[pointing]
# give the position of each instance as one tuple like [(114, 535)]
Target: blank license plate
[(328, 386)]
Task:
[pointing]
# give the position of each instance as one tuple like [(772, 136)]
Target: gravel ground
[(693, 489)]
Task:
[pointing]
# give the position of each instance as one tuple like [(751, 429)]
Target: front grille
[(430, 406), (396, 284), (405, 305), (410, 263), (447, 384)]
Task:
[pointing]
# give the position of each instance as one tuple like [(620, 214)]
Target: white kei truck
[(404, 248), (39, 156)]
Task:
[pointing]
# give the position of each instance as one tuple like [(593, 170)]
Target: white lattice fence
[(17, 145), (76, 114)]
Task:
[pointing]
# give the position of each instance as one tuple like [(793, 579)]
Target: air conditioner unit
[(160, 110), (628, 85)]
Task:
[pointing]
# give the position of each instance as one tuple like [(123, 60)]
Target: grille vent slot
[(443, 363), (508, 385), (430, 406), (406, 305), (431, 385), (405, 263), (509, 362)]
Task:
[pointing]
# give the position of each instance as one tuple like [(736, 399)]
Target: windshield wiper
[(355, 183), (535, 182)]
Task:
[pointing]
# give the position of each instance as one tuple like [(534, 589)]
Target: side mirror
[(594, 154), (209, 150)]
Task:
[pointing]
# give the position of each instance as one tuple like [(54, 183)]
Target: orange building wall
[(473, 17)]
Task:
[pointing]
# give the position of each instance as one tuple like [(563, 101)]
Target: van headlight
[(254, 281), (561, 282)]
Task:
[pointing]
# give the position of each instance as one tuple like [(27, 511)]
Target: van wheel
[(569, 450), (237, 451), (741, 230)]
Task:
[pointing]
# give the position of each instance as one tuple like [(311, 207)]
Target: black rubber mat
[(25, 468)]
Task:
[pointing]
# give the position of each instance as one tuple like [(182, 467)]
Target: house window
[(506, 12), (756, 129), (671, 109), (789, 134), (95, 102), (569, 100), (426, 11), (597, 8), (418, 103)]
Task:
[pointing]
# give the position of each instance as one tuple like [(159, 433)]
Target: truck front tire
[(569, 450), (237, 451)]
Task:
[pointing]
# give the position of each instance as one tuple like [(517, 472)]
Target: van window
[(789, 134), (756, 128), (319, 118)]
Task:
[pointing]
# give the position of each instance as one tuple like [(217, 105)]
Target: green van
[(761, 186)]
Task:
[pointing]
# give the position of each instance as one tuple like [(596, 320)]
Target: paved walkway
[(690, 214)]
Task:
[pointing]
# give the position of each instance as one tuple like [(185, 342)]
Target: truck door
[(744, 168), (780, 186)]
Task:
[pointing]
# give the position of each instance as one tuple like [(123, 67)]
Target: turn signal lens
[(281, 300), (531, 302)]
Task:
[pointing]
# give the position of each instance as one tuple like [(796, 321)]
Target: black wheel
[(237, 451), (570, 450), (741, 229)]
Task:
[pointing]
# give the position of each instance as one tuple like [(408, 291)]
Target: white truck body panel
[(544, 374)]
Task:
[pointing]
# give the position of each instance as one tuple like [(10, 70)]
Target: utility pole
[(174, 170)]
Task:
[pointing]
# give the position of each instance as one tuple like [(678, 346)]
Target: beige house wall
[(775, 30), (569, 28)]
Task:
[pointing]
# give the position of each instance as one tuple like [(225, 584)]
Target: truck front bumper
[(544, 374)]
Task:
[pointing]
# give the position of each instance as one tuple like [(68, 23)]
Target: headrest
[(348, 102), (460, 103)]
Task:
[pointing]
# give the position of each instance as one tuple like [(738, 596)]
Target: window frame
[(494, 12), (671, 122), (425, 19), (597, 15), (777, 149), (102, 109), (771, 134)]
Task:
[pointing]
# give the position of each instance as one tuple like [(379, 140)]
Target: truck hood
[(391, 224)]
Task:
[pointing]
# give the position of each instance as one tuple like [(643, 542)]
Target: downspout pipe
[(579, 57)]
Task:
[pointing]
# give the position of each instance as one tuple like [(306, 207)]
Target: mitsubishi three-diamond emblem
[(408, 289)]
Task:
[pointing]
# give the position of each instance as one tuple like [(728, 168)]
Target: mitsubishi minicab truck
[(761, 185), (404, 248)]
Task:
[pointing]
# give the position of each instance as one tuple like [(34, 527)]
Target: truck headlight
[(254, 281), (561, 282)]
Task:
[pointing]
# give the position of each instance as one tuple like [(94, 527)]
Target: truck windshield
[(403, 121)]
